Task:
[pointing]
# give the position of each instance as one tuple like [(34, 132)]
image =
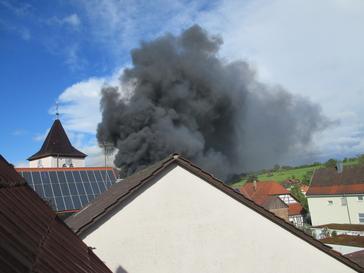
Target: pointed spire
[(57, 144)]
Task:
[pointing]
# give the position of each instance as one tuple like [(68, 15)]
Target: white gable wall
[(183, 224), (331, 209), (54, 162)]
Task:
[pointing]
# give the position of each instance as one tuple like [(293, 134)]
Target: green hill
[(302, 173)]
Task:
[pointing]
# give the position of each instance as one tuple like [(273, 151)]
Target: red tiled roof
[(294, 209), (263, 188), (132, 186), (327, 181), (33, 238)]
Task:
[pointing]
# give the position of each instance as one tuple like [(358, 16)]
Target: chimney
[(255, 184), (339, 167)]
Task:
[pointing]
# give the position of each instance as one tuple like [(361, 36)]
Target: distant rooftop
[(347, 240), (328, 181)]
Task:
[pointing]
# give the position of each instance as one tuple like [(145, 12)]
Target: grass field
[(282, 175)]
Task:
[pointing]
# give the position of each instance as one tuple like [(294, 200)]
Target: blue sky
[(67, 50)]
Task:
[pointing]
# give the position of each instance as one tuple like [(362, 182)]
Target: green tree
[(296, 192), (361, 159), (252, 178), (330, 163)]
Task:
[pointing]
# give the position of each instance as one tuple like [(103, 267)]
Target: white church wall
[(54, 162)]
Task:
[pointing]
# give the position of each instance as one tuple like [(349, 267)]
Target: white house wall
[(183, 224), (323, 213)]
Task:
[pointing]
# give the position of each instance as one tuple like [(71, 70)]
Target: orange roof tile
[(294, 209), (263, 188)]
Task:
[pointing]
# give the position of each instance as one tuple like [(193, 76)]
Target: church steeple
[(57, 146)]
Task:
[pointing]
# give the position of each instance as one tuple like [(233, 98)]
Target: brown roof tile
[(295, 209), (130, 187), (350, 227), (347, 240), (327, 181), (33, 238), (357, 257)]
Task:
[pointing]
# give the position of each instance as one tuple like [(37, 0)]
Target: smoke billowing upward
[(186, 99)]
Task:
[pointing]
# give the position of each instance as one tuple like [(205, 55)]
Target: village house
[(32, 237), (261, 191), (336, 195), (175, 217)]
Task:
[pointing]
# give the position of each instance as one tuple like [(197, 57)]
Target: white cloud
[(313, 48), (72, 20), (79, 111)]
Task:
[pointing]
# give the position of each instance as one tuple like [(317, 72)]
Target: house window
[(361, 218), (360, 198), (343, 201), (330, 202)]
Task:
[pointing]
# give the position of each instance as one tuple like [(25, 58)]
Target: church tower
[(57, 151)]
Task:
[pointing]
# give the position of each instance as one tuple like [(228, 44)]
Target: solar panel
[(69, 189)]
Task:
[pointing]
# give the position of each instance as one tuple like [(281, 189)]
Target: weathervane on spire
[(57, 113)]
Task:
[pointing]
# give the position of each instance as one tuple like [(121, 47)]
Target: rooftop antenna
[(108, 150), (57, 113)]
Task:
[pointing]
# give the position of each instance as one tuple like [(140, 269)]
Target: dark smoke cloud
[(186, 99)]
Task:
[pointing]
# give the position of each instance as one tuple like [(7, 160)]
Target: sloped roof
[(33, 238), (270, 202), (57, 144), (123, 192), (263, 188), (357, 257), (346, 240), (351, 227), (327, 181), (295, 209)]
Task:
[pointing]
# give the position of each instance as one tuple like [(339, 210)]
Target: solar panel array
[(69, 189)]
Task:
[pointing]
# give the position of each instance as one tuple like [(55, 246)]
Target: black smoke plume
[(184, 98)]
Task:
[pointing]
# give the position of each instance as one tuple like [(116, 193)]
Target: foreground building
[(175, 217), (270, 194), (32, 237), (336, 195)]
